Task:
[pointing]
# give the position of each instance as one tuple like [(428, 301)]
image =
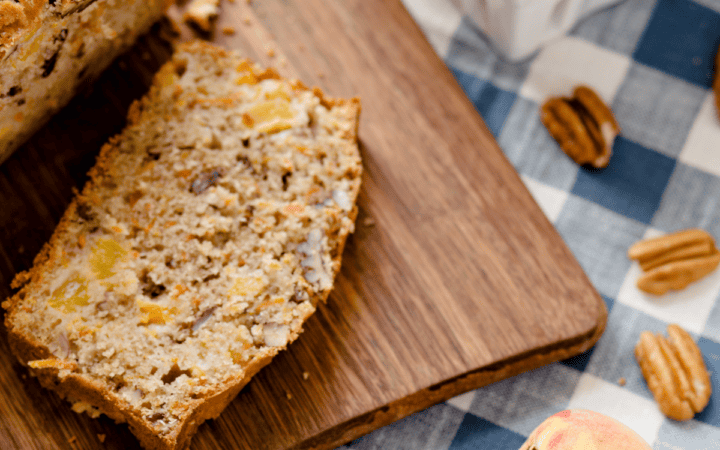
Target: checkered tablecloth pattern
[(652, 60)]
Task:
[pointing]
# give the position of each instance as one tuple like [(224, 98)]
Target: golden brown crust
[(79, 388), (16, 19), (12, 18), (50, 49), (19, 18)]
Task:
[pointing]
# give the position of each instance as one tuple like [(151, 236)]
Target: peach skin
[(579, 429)]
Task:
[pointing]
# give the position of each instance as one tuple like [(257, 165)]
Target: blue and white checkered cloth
[(652, 61)]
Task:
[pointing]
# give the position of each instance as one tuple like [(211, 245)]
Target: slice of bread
[(209, 230)]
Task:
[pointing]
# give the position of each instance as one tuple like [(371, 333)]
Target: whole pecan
[(675, 372), (675, 260), (583, 126)]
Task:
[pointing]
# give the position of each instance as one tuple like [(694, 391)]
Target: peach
[(579, 429)]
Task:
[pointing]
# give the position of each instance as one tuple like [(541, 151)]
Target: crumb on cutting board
[(201, 13)]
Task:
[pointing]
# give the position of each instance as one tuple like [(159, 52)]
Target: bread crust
[(80, 388), (16, 19)]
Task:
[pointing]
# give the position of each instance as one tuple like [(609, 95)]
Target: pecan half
[(675, 372), (583, 126), (675, 260)]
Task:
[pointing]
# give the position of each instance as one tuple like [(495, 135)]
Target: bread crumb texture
[(208, 231)]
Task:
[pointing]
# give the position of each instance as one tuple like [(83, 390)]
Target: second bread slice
[(209, 230)]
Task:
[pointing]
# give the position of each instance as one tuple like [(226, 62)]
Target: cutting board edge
[(345, 432)]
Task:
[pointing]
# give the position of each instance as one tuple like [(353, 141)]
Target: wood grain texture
[(459, 281)]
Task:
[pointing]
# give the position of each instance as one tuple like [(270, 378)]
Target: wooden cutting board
[(453, 279)]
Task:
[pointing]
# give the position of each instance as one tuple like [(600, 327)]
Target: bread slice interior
[(208, 231)]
